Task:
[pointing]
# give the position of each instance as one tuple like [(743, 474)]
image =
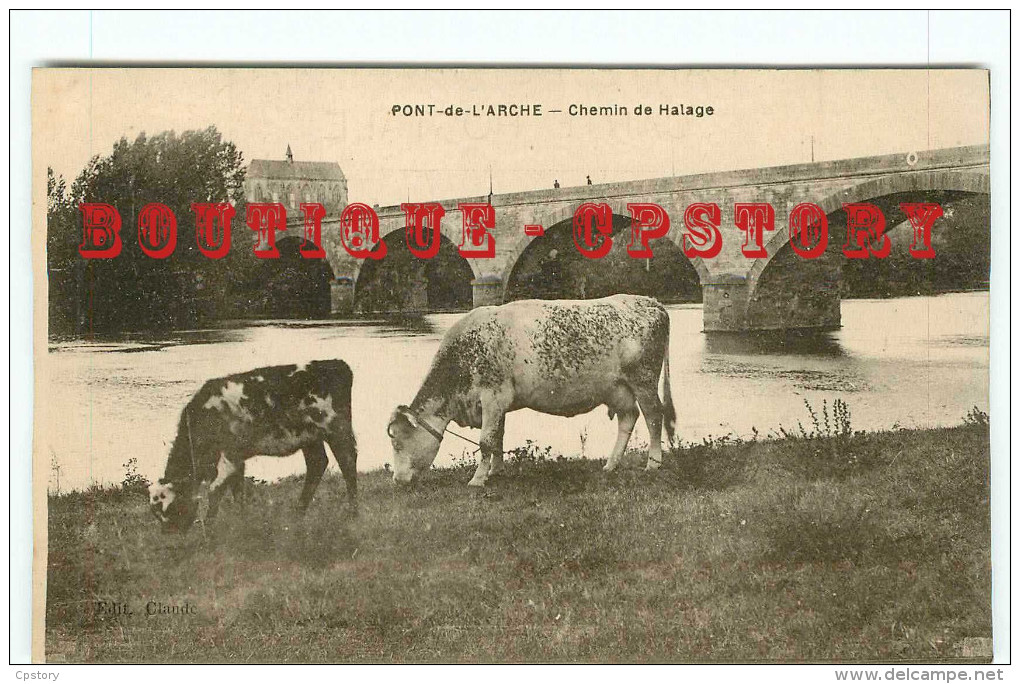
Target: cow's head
[(415, 445), (173, 505)]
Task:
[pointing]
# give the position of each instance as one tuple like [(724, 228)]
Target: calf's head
[(173, 505), (414, 446)]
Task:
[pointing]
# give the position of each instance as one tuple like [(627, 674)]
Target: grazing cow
[(268, 411), (557, 357)]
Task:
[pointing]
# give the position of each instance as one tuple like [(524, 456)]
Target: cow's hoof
[(476, 483), (609, 467), (652, 466)]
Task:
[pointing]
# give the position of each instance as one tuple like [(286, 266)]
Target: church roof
[(287, 170)]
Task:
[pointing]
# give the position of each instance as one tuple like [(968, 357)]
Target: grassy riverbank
[(831, 547)]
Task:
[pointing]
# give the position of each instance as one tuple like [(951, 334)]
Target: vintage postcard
[(511, 365)]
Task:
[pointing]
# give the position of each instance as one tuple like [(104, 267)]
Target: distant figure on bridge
[(589, 179), (556, 184)]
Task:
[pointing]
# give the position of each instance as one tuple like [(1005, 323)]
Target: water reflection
[(812, 343), (145, 341), (843, 379), (407, 323)]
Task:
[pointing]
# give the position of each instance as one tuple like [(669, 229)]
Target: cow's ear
[(408, 415), (397, 426), (399, 422)]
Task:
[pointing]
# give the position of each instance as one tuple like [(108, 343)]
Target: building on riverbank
[(292, 182)]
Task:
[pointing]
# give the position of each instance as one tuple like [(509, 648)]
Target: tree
[(62, 255), (134, 291)]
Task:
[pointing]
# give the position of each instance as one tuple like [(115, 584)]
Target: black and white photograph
[(442, 364)]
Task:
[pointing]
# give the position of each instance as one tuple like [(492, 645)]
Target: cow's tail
[(668, 409)]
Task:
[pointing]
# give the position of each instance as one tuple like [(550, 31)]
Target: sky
[(760, 118)]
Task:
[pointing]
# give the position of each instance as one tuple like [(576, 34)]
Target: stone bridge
[(777, 292)]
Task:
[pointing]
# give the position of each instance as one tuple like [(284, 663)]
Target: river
[(911, 362)]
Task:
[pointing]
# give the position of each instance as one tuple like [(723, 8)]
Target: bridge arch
[(402, 282), (293, 286), (395, 240), (966, 182), (549, 266), (787, 291), (555, 217)]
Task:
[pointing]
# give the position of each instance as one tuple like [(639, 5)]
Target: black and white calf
[(270, 411)]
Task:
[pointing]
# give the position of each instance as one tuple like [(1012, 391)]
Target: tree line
[(136, 292)]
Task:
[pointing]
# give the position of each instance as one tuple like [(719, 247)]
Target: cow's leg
[(496, 462), (345, 451), (491, 443), (651, 407), (626, 410), (482, 471), (315, 463), (226, 469), (496, 456), (237, 483)]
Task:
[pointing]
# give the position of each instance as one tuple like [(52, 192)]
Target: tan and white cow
[(558, 357), (273, 411)]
